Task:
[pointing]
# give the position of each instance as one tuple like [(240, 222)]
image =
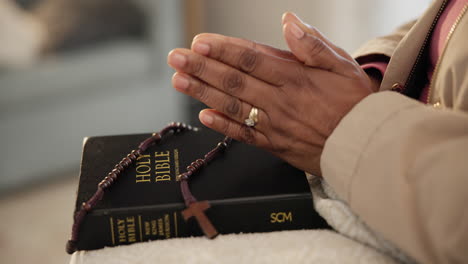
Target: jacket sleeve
[(383, 46), (402, 167)]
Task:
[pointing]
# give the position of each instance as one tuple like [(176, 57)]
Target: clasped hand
[(301, 94)]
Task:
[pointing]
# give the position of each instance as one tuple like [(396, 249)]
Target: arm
[(403, 170), (402, 166)]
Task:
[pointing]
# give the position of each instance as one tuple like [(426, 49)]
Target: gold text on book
[(163, 166), (154, 169), (280, 217), (126, 230)]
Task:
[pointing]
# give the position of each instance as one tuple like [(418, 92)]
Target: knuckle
[(233, 82), (200, 92), (227, 128), (247, 135), (278, 78), (279, 148), (198, 67), (232, 106), (316, 46), (301, 77), (248, 60), (219, 52)]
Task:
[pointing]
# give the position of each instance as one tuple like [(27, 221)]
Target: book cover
[(249, 190)]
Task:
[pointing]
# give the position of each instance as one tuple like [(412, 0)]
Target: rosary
[(194, 208)]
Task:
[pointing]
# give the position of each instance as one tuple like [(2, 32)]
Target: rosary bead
[(127, 161), (112, 175), (156, 137), (223, 145), (183, 176), (138, 152), (119, 167), (86, 207), (102, 185)]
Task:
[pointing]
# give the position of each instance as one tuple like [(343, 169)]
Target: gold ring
[(253, 117)]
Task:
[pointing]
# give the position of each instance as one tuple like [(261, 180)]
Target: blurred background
[(71, 69)]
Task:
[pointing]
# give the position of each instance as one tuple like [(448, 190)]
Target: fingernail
[(296, 31), (201, 48), (206, 118), (180, 82), (296, 16), (284, 16), (300, 20), (177, 60)]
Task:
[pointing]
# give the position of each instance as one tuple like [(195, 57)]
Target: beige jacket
[(402, 166)]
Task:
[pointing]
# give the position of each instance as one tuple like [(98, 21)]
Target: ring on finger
[(252, 120)]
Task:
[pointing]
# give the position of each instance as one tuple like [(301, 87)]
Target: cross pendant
[(196, 210)]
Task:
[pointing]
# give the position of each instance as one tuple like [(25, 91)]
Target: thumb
[(314, 52), (290, 17)]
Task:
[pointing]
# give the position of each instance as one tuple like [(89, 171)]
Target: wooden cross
[(196, 210)]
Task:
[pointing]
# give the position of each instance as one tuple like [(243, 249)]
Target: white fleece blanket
[(352, 243)]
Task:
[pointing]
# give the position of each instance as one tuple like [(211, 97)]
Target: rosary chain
[(113, 175)]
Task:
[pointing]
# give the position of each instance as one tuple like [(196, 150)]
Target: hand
[(301, 95)]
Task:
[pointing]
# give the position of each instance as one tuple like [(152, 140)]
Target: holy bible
[(249, 190)]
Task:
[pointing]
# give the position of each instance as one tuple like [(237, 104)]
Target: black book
[(249, 190)]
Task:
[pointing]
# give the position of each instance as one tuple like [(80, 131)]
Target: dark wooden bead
[(86, 207), (119, 167), (104, 184), (127, 161), (113, 175), (138, 152)]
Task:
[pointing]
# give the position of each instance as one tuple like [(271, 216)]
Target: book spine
[(131, 225)]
